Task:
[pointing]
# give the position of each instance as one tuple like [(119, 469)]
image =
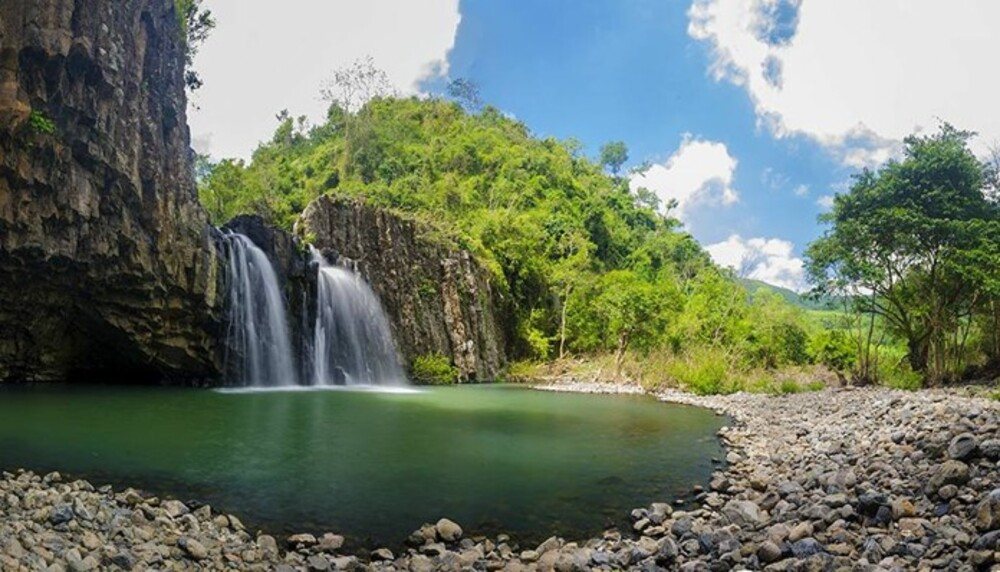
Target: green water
[(372, 466)]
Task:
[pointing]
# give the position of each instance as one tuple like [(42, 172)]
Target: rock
[(947, 492), (529, 556), (123, 559), (302, 540), (743, 513), (963, 446), (318, 562), (951, 472), (382, 554), (461, 317), (988, 541), (61, 514), (448, 531), (174, 508), (902, 508), (330, 542), (800, 531), (806, 547), (551, 543), (990, 449), (268, 544), (768, 552), (988, 512), (196, 550), (105, 203)]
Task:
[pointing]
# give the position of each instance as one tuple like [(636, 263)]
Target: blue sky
[(609, 70), (752, 113)]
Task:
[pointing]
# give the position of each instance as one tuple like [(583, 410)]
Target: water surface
[(371, 465)]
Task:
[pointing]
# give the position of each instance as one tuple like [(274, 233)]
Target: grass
[(706, 372)]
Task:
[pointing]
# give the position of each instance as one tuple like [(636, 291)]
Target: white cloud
[(801, 190), (826, 202), (770, 260), (267, 56), (700, 172), (857, 75)]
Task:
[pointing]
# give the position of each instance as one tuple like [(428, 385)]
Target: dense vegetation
[(914, 250), (590, 267)]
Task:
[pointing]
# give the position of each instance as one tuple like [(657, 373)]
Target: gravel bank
[(865, 479)]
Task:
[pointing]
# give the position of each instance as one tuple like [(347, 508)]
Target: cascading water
[(352, 342), (259, 351)]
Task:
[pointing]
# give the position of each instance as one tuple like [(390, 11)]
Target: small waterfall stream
[(349, 341), (259, 351), (352, 341)]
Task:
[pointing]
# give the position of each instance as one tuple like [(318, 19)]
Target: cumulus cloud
[(700, 172), (855, 75), (825, 201), (770, 260), (267, 56), (801, 190)]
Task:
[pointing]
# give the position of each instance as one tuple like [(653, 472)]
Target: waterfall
[(259, 352), (352, 342)]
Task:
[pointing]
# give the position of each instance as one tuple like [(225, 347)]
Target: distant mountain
[(791, 296)]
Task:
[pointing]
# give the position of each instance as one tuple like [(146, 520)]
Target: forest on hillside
[(907, 270)]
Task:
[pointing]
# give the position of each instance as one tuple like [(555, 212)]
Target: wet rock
[(302, 540), (330, 542), (448, 531)]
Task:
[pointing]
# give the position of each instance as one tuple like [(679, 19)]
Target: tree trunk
[(562, 325), (623, 340), (917, 356)]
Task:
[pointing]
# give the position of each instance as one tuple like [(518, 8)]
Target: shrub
[(40, 123), (433, 369), (832, 348), (703, 372)]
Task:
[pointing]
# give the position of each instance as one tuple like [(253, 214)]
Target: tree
[(904, 244), (466, 93), (613, 155), (633, 311), (355, 84), (195, 24)]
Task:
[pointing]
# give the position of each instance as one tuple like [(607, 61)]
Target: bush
[(832, 348), (41, 124), (703, 372), (433, 369)]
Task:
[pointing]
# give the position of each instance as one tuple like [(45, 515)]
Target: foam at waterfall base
[(394, 389)]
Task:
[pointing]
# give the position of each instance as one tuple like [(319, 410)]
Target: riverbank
[(819, 480)]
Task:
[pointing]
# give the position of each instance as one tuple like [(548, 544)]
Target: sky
[(751, 114)]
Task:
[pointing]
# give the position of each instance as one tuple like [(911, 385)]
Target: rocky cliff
[(105, 254), (439, 299)]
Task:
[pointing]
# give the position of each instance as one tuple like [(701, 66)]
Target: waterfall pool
[(372, 465)]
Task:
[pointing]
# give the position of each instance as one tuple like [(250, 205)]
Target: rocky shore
[(862, 479)]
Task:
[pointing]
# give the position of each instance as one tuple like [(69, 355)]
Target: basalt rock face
[(439, 299), (107, 261)]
